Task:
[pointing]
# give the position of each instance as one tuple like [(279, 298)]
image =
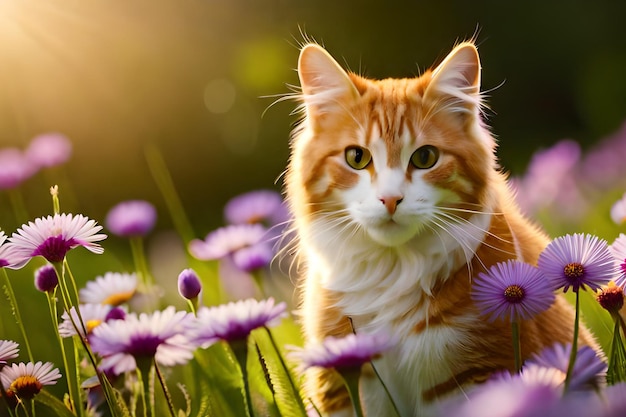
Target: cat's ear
[(458, 77), (326, 87)]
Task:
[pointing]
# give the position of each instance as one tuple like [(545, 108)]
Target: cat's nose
[(391, 202)]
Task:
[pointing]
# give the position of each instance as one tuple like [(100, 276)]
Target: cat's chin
[(391, 233)]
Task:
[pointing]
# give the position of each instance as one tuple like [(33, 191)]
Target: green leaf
[(616, 371), (52, 402), (280, 378)]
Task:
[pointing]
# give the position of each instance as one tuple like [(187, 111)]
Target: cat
[(398, 201)]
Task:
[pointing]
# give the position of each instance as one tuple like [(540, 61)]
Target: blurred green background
[(196, 79)]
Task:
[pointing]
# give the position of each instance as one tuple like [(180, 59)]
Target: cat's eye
[(425, 157), (357, 157)]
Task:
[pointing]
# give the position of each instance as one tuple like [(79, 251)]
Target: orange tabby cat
[(398, 203)]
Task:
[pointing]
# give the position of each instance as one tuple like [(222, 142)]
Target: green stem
[(16, 312), (517, 348), (572, 357), (240, 348), (166, 393), (162, 177), (257, 277), (72, 378), (351, 380), (393, 403), (19, 207), (143, 368), (141, 265), (52, 306)]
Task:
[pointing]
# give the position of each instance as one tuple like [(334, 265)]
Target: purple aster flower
[(53, 236), (112, 288), (350, 351), (512, 291), (511, 397), (618, 211), (93, 315), (26, 380), (618, 250), (588, 371), (131, 218), (578, 261), (8, 350), (189, 285), (15, 168), (234, 321), (227, 240), (253, 257), (49, 149), (46, 279), (159, 336), (261, 206), (613, 402)]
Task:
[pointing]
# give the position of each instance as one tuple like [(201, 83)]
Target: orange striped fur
[(394, 247)]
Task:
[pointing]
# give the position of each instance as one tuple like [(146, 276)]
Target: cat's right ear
[(326, 87)]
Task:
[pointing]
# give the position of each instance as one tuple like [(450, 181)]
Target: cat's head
[(392, 158)]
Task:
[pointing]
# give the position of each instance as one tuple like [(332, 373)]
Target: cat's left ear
[(458, 77)]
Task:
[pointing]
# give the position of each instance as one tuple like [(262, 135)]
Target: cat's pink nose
[(391, 202)]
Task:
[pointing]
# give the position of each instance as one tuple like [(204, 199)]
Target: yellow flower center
[(26, 386), (119, 298), (92, 324), (573, 270), (514, 293)]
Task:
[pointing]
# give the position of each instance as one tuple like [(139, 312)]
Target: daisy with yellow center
[(113, 288), (26, 380)]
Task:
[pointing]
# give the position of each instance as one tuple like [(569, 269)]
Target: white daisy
[(25, 380), (93, 315), (8, 350), (112, 288)]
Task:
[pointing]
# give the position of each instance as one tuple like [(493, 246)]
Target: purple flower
[(46, 279), (159, 336), (505, 397), (26, 380), (8, 350), (246, 244), (131, 218), (350, 351), (262, 206), (227, 240), (234, 321), (53, 236), (618, 250), (189, 285), (253, 257), (512, 291), (588, 370), (15, 168), (578, 261), (112, 288), (49, 149)]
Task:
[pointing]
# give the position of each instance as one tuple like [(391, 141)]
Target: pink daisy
[(53, 236)]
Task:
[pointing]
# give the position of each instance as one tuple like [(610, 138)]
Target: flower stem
[(16, 312), (351, 380), (136, 246), (517, 348), (144, 367), (393, 403), (162, 177), (240, 348), (166, 392), (572, 356)]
